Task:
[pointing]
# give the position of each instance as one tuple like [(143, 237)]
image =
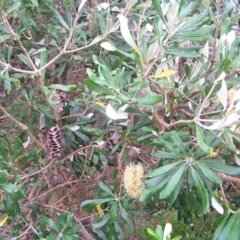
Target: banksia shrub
[(133, 179)]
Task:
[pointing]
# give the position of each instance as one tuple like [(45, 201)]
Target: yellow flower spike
[(133, 179)]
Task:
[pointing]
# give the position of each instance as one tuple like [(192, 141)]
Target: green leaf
[(14, 7), (3, 175), (202, 192), (82, 136), (126, 217), (201, 34), (185, 54), (43, 61), (98, 88), (220, 166), (104, 70), (178, 142), (157, 6), (219, 230), (50, 222), (105, 188), (4, 37), (187, 8), (9, 187), (58, 16), (172, 148), (210, 175), (9, 80), (232, 225), (161, 170), (155, 184), (174, 181), (225, 65), (162, 154), (3, 151), (35, 2), (153, 234), (25, 60), (94, 202), (101, 221), (226, 26), (65, 88), (48, 94), (229, 228), (149, 99), (9, 53), (201, 143), (159, 231)]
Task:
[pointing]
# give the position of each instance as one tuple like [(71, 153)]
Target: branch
[(22, 126)]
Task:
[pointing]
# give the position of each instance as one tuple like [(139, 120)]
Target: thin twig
[(22, 126)]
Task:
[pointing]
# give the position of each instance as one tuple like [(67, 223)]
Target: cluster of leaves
[(161, 74)]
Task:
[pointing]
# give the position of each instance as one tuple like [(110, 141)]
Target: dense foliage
[(117, 111)]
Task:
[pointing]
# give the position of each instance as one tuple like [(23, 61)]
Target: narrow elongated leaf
[(162, 154), (226, 26), (25, 60), (210, 175), (126, 217), (172, 148), (222, 94), (152, 233), (3, 175), (104, 71), (58, 16), (155, 184), (201, 143), (178, 141), (48, 94), (186, 54), (43, 61), (171, 185), (231, 228), (187, 8), (157, 6), (126, 33), (149, 99), (13, 8), (217, 205), (94, 202), (50, 222), (220, 166), (105, 188), (167, 231), (2, 222), (235, 230), (166, 73), (4, 37), (219, 230), (98, 88), (9, 187), (161, 170), (81, 5), (35, 2), (202, 192), (65, 88), (101, 221)]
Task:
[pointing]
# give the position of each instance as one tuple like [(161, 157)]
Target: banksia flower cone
[(133, 179)]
